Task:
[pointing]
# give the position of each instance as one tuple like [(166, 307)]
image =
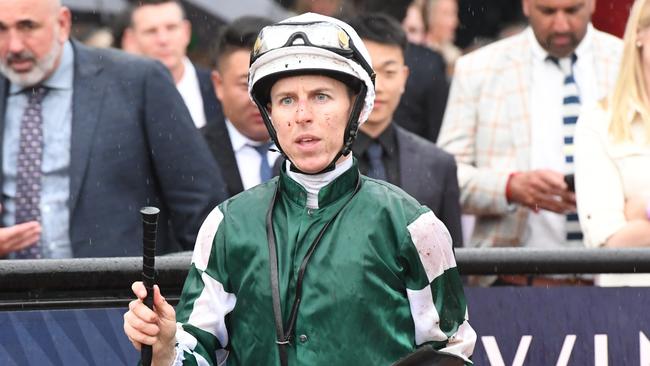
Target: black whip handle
[(149, 227)]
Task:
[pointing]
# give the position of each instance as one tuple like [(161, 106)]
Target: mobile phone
[(569, 179)]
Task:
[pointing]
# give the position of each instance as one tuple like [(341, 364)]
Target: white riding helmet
[(313, 44)]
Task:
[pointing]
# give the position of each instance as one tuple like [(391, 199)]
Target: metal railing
[(105, 282)]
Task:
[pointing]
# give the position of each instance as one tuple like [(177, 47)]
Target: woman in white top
[(613, 155)]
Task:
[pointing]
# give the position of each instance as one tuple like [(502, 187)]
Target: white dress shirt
[(547, 229), (189, 88), (248, 159)]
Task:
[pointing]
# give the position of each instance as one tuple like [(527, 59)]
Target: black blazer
[(425, 96), (218, 140), (133, 144), (211, 105), (429, 175)]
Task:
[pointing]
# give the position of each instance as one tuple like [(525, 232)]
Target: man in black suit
[(88, 137), (159, 29), (240, 142), (423, 103), (389, 152)]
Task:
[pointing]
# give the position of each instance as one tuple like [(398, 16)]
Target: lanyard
[(284, 337)]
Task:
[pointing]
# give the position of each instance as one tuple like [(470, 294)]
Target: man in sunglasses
[(320, 266)]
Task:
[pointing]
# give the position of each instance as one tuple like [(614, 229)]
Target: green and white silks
[(382, 282)]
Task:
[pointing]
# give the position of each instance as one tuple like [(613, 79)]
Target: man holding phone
[(509, 122)]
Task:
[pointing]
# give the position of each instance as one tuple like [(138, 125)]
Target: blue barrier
[(560, 326), (515, 325), (65, 337)]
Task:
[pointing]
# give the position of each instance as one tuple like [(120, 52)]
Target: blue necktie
[(266, 172), (28, 167), (570, 112), (375, 154)]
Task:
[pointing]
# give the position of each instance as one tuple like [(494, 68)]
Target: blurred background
[(101, 22)]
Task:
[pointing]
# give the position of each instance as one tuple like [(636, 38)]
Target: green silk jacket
[(382, 281)]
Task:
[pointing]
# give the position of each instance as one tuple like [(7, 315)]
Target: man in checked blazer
[(506, 119)]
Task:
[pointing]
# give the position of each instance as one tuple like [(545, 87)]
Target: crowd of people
[(493, 134), (540, 136)]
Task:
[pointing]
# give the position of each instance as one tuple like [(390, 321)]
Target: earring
[(639, 44)]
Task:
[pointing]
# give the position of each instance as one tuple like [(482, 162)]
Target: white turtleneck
[(313, 183)]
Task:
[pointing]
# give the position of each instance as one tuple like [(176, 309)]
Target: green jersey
[(382, 281)]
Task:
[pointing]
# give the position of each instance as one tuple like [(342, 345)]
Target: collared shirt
[(248, 159), (190, 89), (546, 228), (55, 186), (388, 141)]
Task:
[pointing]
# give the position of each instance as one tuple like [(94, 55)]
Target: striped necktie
[(266, 172), (570, 112)]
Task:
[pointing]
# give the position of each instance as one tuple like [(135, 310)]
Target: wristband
[(509, 193)]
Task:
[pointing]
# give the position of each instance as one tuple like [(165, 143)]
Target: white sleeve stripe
[(200, 360), (204, 239), (186, 343), (184, 339), (425, 316), (433, 243), (180, 357), (211, 307), (462, 342)]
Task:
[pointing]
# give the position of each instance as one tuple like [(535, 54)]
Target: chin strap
[(351, 131)]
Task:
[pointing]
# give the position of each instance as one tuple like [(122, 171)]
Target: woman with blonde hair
[(612, 152)]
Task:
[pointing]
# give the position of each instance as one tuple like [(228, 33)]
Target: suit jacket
[(487, 128), (211, 105), (422, 106), (428, 174), (216, 135), (218, 140), (133, 144)]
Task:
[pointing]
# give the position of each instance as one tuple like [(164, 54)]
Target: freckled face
[(309, 114)]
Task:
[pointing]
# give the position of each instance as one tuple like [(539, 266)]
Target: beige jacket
[(487, 128)]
